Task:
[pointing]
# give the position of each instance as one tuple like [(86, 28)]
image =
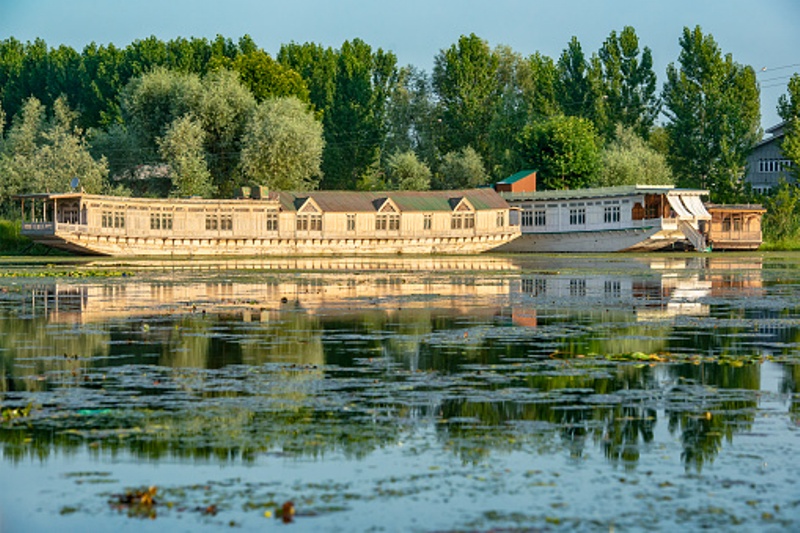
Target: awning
[(678, 207), (696, 207)]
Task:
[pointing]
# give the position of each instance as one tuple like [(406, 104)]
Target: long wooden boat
[(274, 223), (611, 219)]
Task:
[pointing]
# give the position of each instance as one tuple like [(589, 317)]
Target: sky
[(763, 34)]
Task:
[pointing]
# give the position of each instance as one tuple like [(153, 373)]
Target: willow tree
[(282, 146)]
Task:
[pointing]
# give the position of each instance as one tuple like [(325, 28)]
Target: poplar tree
[(712, 104)]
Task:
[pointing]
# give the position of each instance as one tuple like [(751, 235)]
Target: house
[(766, 164), (522, 181)]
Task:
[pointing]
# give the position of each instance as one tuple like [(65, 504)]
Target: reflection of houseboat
[(275, 223), (611, 219), (734, 227)]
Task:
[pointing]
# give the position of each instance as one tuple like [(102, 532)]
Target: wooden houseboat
[(272, 223), (609, 219), (734, 227)]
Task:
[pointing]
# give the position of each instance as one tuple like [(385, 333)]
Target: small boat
[(272, 223)]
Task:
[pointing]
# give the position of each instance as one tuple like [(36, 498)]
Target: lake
[(494, 392)]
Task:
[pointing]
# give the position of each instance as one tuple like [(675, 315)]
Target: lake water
[(525, 393)]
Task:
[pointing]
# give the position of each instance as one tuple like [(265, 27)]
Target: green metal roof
[(516, 177)]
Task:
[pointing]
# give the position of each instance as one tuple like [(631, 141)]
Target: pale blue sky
[(760, 33)]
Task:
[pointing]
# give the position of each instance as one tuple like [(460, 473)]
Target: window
[(427, 222), (272, 221), (351, 222), (113, 219), (540, 217), (527, 218), (577, 216), (577, 287), (311, 222), (534, 287), (612, 289), (387, 221), (159, 221), (501, 219), (212, 224), (611, 214), (226, 222)]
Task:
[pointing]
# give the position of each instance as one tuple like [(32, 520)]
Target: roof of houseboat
[(601, 192)]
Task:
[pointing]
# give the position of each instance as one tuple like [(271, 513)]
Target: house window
[(312, 222), (501, 219), (462, 221), (611, 214), (212, 223), (159, 221), (272, 221), (351, 222), (113, 219), (577, 216), (577, 287), (226, 222), (527, 218), (387, 221), (540, 217), (427, 222)]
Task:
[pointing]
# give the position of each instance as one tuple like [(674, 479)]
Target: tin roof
[(517, 176), (369, 201)]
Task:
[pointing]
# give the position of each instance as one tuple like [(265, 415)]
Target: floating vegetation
[(52, 273)]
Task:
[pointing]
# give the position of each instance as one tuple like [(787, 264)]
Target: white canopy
[(678, 207), (695, 205)]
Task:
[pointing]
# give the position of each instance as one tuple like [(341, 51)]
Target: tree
[(266, 78), (628, 160), (152, 102), (629, 82), (782, 219), (789, 111), (465, 83), (565, 150), (282, 146), (355, 123), (712, 104), (182, 148), (223, 107), (462, 170), (411, 116), (406, 173), (42, 154)]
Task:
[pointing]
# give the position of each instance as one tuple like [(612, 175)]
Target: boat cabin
[(734, 227)]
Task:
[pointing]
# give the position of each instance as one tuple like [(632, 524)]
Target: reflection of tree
[(709, 404), (31, 348), (790, 384)]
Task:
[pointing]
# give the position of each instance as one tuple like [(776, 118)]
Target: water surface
[(522, 392)]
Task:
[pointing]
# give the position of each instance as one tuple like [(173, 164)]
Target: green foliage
[(282, 146), (781, 222), (628, 160), (462, 169), (266, 78), (182, 148), (44, 154), (465, 83), (407, 173), (713, 108), (629, 83), (789, 110), (566, 150)]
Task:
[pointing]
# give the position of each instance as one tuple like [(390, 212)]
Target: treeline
[(193, 116)]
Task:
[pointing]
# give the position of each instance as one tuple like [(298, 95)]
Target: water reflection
[(298, 356)]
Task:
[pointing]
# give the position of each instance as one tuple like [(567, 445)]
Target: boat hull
[(601, 241), (88, 244)]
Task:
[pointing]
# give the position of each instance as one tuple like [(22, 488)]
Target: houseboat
[(272, 223), (734, 227), (609, 219)]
